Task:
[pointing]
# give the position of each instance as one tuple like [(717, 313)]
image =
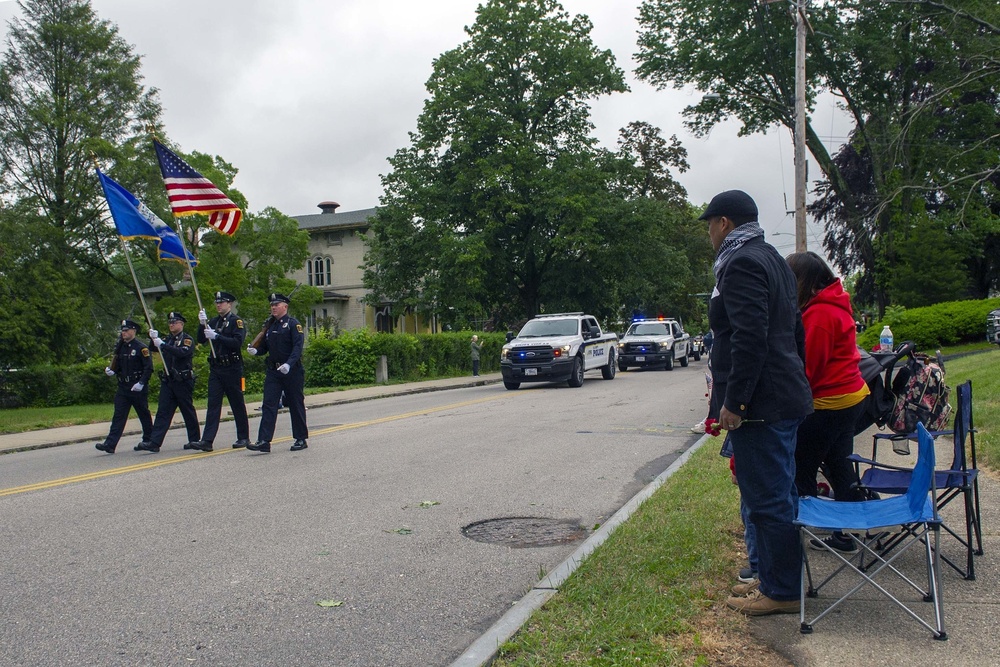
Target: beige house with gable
[(336, 254)]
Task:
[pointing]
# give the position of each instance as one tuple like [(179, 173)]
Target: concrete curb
[(482, 651)]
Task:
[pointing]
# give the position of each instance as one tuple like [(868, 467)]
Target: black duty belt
[(223, 362), (177, 376)]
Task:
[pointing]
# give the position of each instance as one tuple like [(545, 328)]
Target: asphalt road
[(220, 559)]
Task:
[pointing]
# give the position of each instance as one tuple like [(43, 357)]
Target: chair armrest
[(855, 458)]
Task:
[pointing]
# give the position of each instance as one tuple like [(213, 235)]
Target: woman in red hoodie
[(826, 437)]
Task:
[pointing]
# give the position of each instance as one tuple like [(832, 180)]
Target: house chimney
[(328, 207)]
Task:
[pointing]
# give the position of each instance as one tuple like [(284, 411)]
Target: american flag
[(189, 192)]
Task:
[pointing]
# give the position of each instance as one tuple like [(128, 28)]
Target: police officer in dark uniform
[(225, 376), (283, 343), (133, 365), (176, 384)]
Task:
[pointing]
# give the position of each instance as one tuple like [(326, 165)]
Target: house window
[(383, 319), (318, 269), (335, 238)]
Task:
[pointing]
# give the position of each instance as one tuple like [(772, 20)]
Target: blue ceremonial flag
[(134, 220)]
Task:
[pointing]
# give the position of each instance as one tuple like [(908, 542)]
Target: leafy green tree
[(502, 201), (911, 75)]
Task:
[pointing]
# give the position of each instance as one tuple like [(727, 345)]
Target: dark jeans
[(765, 472), (475, 366), (825, 440)]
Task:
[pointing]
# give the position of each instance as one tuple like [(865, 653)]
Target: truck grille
[(641, 348), (531, 355)]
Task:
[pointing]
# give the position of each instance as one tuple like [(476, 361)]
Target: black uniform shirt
[(284, 341), (177, 351), (231, 334), (134, 362)]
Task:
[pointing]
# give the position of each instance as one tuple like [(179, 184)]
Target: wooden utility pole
[(800, 125)]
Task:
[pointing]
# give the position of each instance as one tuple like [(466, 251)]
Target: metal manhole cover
[(520, 532)]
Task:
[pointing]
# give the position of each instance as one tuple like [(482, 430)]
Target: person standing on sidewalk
[(476, 349), (759, 377), (133, 365), (283, 343), (176, 384), (225, 375)]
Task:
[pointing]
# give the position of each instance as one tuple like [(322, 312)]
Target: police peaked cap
[(129, 324), (221, 297), (174, 315), (278, 298), (731, 203)]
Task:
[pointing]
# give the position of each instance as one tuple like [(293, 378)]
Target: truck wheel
[(576, 379), (684, 360), (608, 372), (511, 385), (622, 366), (697, 355), (670, 361)]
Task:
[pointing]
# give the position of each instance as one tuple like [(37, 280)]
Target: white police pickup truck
[(650, 342), (558, 348)]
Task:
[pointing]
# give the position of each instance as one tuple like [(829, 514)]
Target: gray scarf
[(732, 243)]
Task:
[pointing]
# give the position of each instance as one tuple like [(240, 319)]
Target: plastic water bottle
[(885, 340)]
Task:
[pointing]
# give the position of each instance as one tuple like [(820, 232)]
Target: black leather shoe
[(203, 446), (147, 447), (299, 445), (240, 444), (189, 445), (104, 447), (260, 447), (141, 447)]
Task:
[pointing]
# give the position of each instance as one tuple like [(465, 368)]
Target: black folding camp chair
[(961, 478)]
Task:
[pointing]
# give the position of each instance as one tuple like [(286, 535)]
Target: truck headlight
[(504, 352), (560, 351), (665, 346)]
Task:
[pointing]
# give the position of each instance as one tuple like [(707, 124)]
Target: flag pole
[(194, 283), (131, 269)]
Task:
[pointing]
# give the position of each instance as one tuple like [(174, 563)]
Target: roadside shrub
[(346, 360), (947, 323)]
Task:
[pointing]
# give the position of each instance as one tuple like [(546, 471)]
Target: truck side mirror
[(510, 336), (594, 332)]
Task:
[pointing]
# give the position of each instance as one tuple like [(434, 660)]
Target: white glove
[(153, 333), (157, 342), (202, 317), (252, 351), (107, 371), (284, 368), (137, 386), (210, 333)]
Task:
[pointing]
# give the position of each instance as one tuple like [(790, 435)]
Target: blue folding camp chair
[(917, 509), (960, 479)]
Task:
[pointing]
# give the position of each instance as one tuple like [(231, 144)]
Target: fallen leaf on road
[(329, 603)]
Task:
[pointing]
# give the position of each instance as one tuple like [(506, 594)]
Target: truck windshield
[(540, 328), (648, 329)]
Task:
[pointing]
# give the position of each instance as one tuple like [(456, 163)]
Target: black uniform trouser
[(226, 381), (293, 385), (174, 395), (125, 399)]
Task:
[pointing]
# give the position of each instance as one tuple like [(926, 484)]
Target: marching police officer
[(133, 365), (283, 342), (225, 375), (176, 384)]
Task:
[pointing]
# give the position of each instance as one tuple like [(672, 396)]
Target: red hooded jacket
[(831, 345)]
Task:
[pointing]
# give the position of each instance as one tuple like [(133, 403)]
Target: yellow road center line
[(38, 486)]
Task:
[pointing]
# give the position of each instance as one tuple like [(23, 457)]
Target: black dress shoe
[(299, 445), (141, 447), (260, 447), (203, 446), (189, 445), (147, 447), (104, 447), (240, 444)]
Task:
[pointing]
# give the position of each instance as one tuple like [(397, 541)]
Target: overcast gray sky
[(307, 98)]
